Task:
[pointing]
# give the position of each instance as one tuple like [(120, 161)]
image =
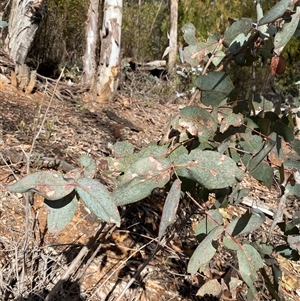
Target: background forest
[(60, 39)]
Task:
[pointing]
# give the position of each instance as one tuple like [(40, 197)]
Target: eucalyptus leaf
[(3, 24), (138, 188), (264, 173), (275, 12), (212, 170), (261, 155), (214, 87), (49, 184), (89, 166), (218, 57), (283, 130), (197, 122), (249, 263), (211, 220), (99, 200), (211, 288), (194, 54), (123, 148), (170, 208), (284, 35), (60, 212), (241, 26), (251, 143), (189, 34), (248, 222), (204, 252), (230, 118)]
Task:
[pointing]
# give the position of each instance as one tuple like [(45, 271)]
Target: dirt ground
[(33, 261)]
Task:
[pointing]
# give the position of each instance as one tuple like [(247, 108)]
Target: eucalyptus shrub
[(212, 146)]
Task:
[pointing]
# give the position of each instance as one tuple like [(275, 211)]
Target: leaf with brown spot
[(49, 184)]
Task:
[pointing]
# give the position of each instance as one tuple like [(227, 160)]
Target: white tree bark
[(173, 37), (109, 66), (89, 58), (24, 20)]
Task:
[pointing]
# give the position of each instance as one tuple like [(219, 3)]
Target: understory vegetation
[(241, 77)]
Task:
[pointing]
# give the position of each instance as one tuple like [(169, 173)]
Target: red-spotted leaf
[(141, 178), (211, 169), (197, 122), (99, 200), (139, 187), (60, 212), (49, 184), (89, 166), (170, 208)]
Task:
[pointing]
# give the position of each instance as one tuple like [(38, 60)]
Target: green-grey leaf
[(89, 166), (218, 57), (249, 263), (212, 220), (49, 184), (194, 54), (146, 168), (283, 130), (138, 188), (123, 162), (99, 200), (212, 170), (198, 122), (170, 208), (293, 189), (238, 42), (275, 12), (263, 173), (189, 32), (261, 155), (60, 212), (251, 143), (204, 252), (238, 27), (229, 118), (215, 87), (247, 223), (123, 148), (211, 288), (283, 36), (294, 242), (3, 24)]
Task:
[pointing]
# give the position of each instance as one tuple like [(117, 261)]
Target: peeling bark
[(89, 58), (173, 37), (23, 23), (108, 69)]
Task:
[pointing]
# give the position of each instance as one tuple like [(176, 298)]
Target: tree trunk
[(173, 38), (24, 20), (109, 66), (89, 58)]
